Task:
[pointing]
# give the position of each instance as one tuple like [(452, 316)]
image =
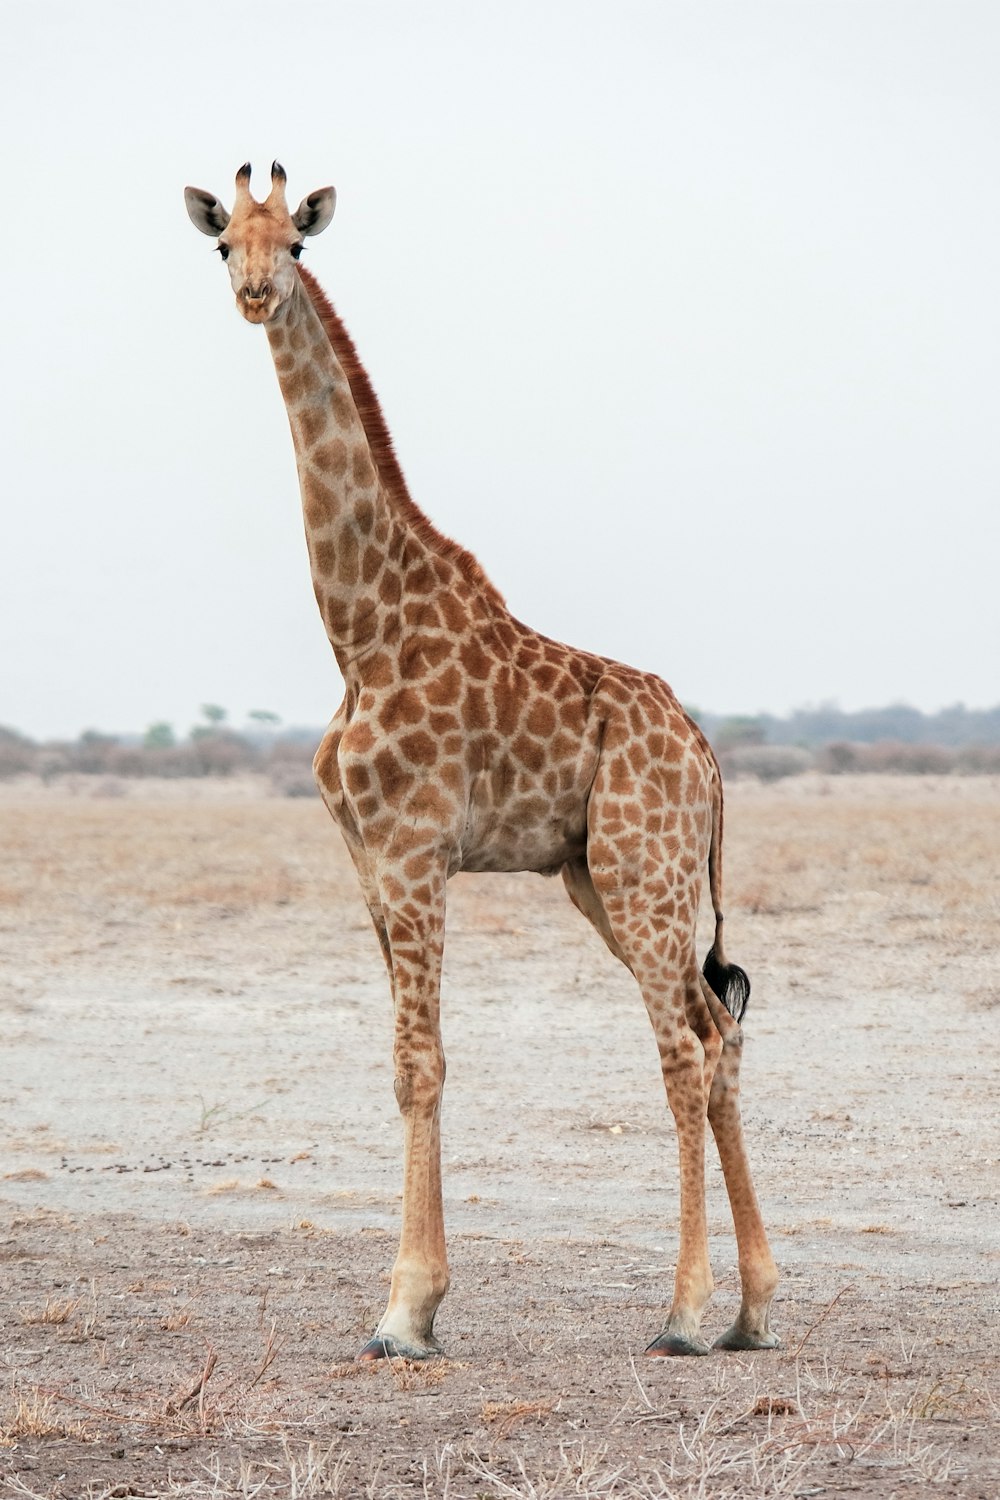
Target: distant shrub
[(17, 753), (288, 783), (740, 730), (52, 762), (891, 757), (978, 760), (160, 736), (163, 760), (907, 760), (837, 759), (289, 767), (220, 753), (766, 762), (93, 754)]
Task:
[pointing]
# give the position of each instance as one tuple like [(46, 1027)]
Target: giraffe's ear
[(315, 212), (205, 211)]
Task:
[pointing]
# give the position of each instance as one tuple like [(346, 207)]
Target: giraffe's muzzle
[(253, 301)]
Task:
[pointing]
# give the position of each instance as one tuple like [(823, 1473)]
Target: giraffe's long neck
[(375, 556), (347, 513)]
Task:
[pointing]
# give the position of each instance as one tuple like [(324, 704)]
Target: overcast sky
[(684, 317)]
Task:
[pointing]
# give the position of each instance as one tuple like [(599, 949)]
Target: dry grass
[(176, 1320), (56, 1310), (758, 1429), (32, 1414), (773, 1448), (228, 1185), (931, 852), (506, 1415), (138, 858), (799, 854), (939, 834)]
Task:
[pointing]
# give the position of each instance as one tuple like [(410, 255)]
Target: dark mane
[(380, 443)]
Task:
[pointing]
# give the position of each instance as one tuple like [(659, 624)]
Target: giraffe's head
[(260, 242)]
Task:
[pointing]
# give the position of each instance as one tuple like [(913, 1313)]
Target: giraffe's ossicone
[(467, 741)]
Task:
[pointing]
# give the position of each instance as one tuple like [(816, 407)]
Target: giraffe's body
[(466, 741)]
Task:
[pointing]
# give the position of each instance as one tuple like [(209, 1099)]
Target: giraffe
[(468, 741)]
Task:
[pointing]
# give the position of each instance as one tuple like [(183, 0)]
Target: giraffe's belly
[(525, 829)]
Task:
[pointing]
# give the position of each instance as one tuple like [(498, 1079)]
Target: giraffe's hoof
[(386, 1347), (670, 1344), (738, 1338)]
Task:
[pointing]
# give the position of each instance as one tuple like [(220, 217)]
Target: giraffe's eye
[(297, 250), (223, 251)]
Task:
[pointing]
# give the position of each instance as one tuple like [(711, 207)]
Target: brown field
[(200, 1174)]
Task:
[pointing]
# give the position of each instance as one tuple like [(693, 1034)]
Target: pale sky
[(685, 318)]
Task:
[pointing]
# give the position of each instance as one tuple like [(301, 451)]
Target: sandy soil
[(200, 1172)]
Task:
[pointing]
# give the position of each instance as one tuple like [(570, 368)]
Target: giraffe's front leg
[(414, 920)]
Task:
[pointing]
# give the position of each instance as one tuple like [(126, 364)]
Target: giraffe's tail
[(729, 981)]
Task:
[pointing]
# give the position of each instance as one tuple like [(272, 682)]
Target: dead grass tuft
[(350, 1369), (173, 1321), (506, 1415), (55, 1311), (416, 1374), (775, 1406), (33, 1415), (229, 1185)]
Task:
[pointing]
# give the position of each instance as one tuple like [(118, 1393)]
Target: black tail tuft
[(730, 983)]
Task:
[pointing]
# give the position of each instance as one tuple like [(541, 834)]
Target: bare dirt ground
[(199, 1182)]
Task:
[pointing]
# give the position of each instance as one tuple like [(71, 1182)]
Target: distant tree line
[(812, 728), (210, 748), (896, 739)]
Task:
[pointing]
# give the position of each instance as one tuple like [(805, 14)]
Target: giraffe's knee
[(732, 1047), (682, 1057), (419, 1081)]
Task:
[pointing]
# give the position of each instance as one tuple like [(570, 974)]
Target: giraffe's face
[(260, 242)]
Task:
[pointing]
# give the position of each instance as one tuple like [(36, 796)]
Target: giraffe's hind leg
[(721, 1039), (631, 913), (758, 1273), (584, 897), (576, 878), (616, 909)]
